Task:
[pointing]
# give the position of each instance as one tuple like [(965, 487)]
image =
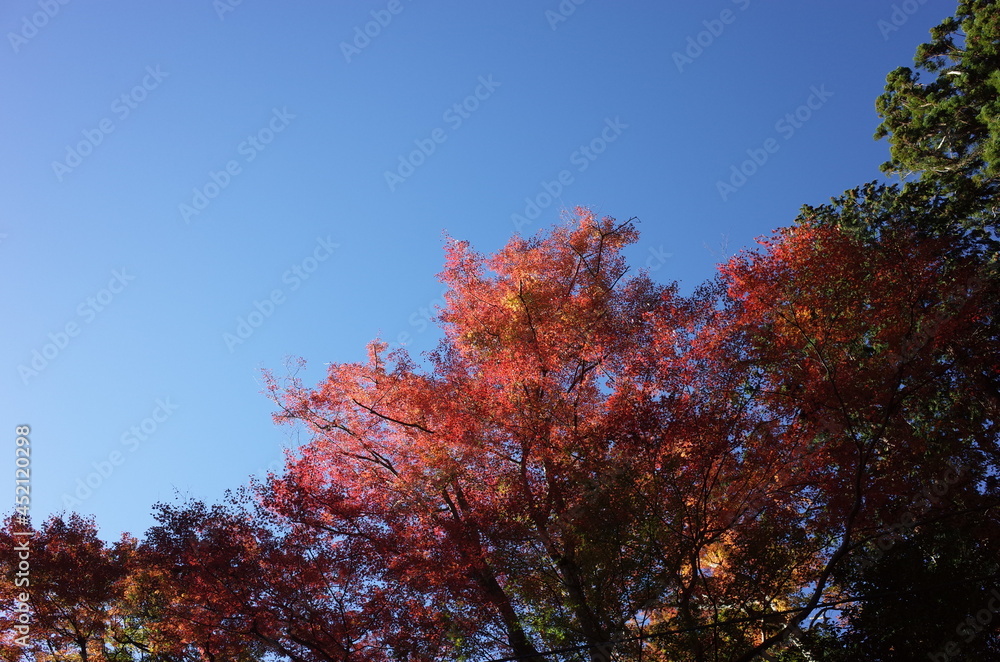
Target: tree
[(594, 458), (240, 582), (948, 129), (592, 466), (944, 130), (920, 591), (942, 122), (552, 478), (881, 357), (76, 589)]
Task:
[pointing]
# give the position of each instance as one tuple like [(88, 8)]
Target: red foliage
[(74, 585), (588, 456)]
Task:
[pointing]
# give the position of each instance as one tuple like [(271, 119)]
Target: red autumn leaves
[(590, 457)]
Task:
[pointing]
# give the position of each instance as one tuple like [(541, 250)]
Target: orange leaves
[(585, 452), (832, 302), (857, 342), (544, 293), (571, 414), (76, 586), (586, 449)]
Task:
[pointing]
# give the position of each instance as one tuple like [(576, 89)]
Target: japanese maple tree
[(592, 457), (239, 582), (571, 468), (880, 359), (591, 464), (75, 588)]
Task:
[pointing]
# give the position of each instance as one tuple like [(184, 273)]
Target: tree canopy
[(799, 461)]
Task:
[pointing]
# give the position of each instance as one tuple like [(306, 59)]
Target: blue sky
[(197, 190)]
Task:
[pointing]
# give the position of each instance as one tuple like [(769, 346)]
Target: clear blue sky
[(115, 114)]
